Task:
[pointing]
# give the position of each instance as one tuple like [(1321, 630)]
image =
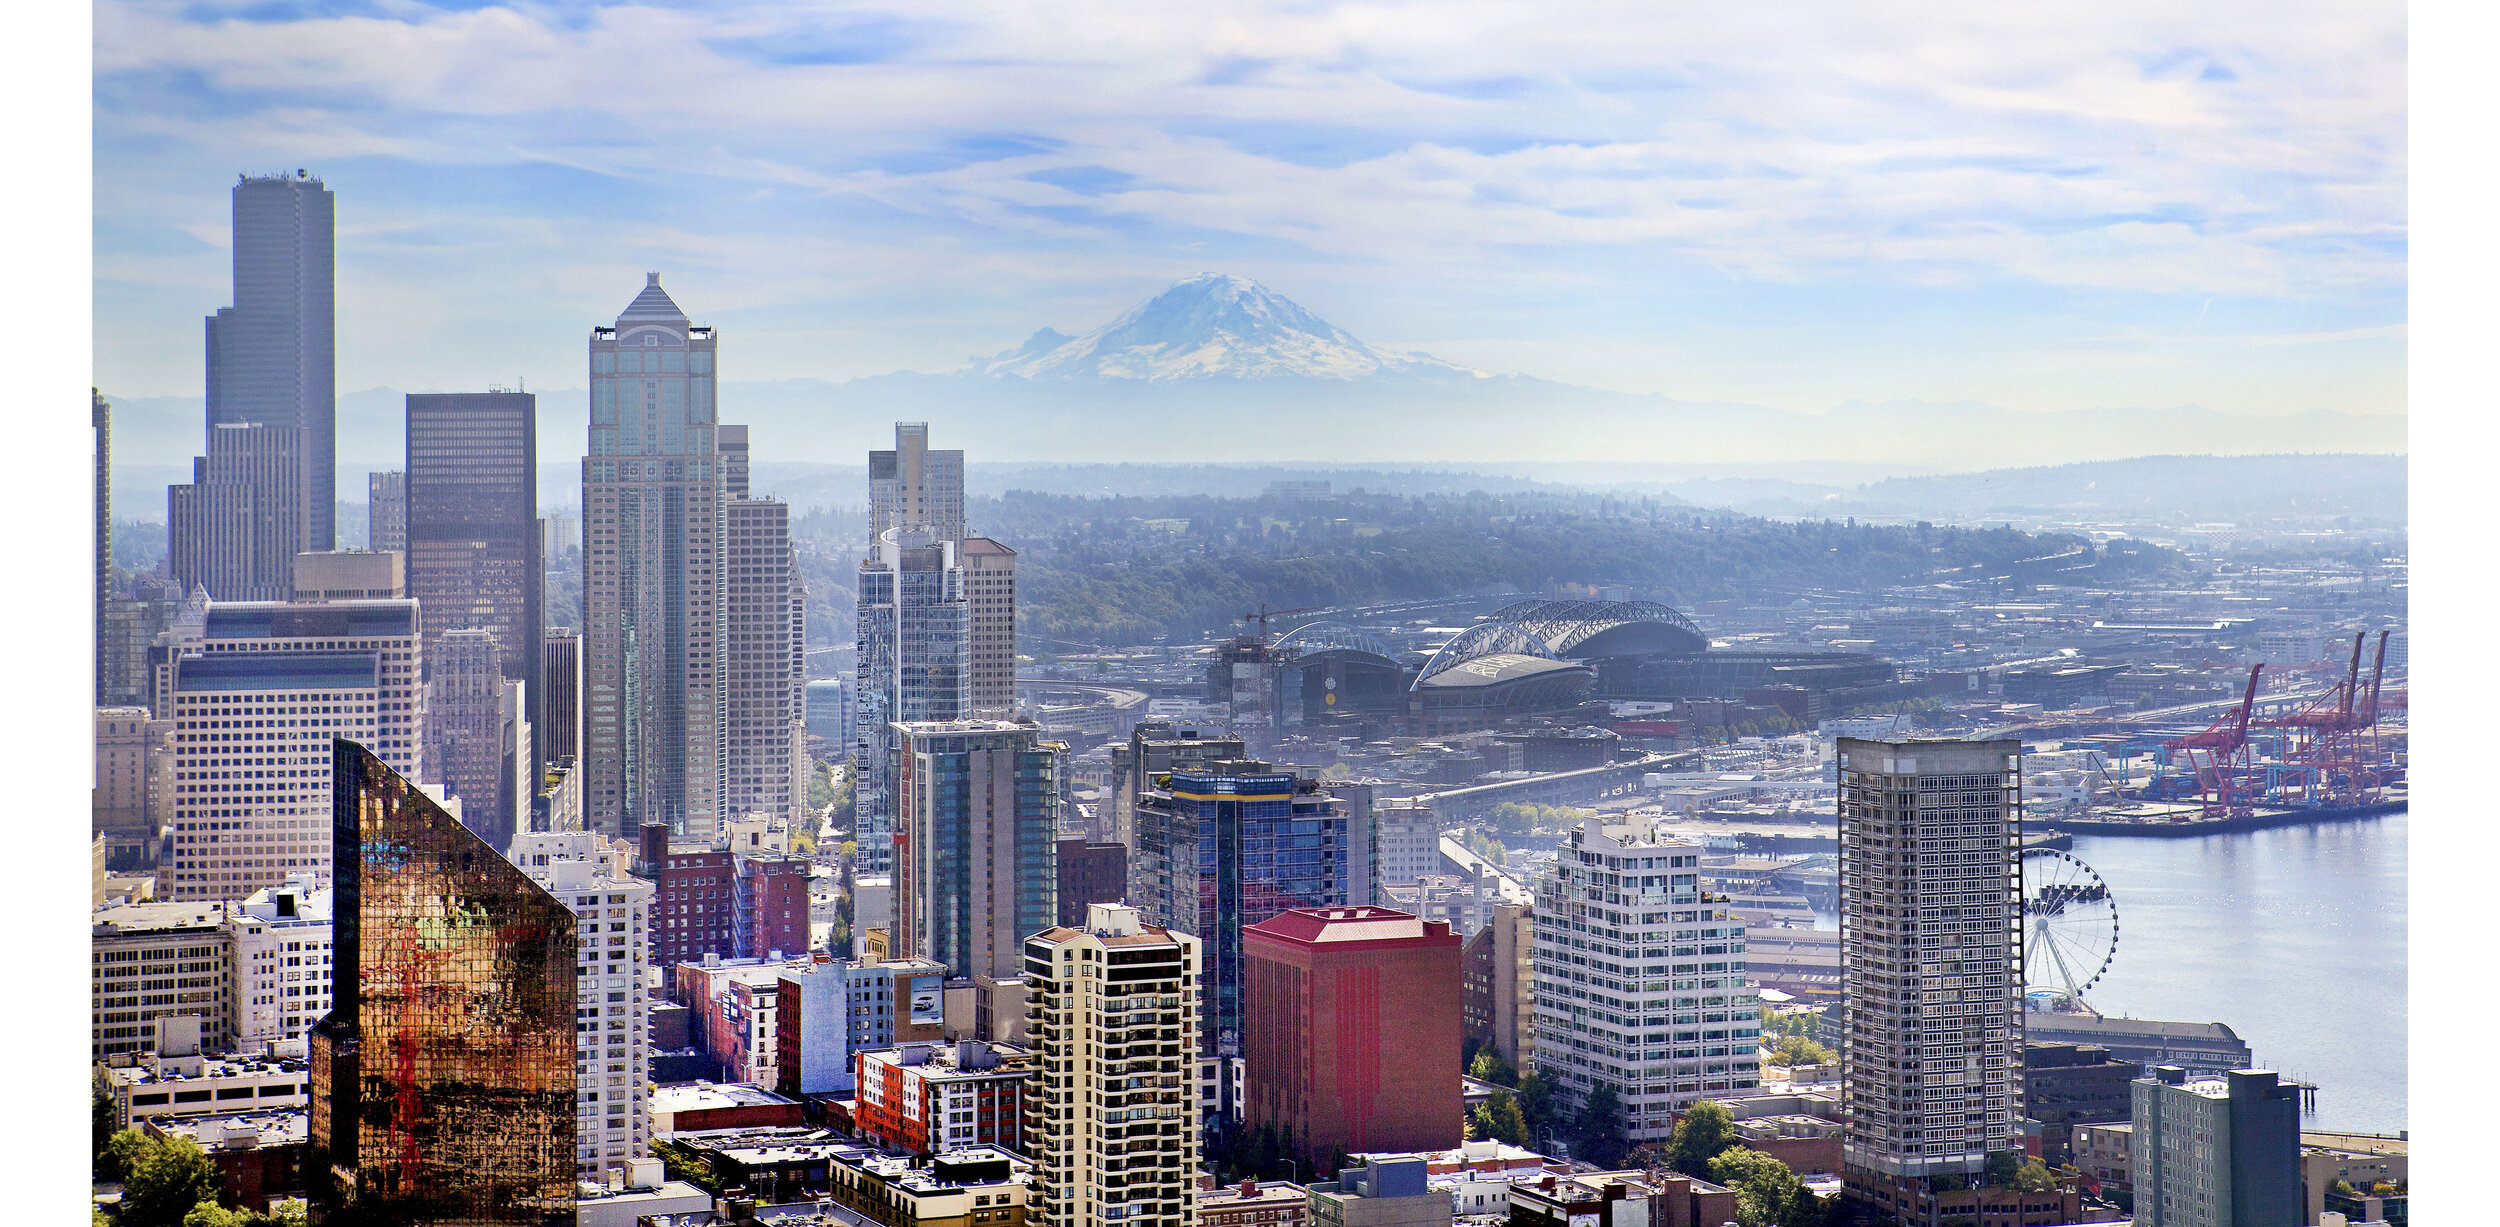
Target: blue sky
[(2105, 205)]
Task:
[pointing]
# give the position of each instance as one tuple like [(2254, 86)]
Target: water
[(2294, 938)]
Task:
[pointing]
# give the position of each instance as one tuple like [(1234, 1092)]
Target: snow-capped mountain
[(1211, 326)]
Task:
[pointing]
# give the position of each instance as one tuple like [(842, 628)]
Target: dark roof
[(653, 304), (275, 620), (225, 671)]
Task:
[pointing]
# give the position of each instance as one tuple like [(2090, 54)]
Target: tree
[(100, 1119), (1795, 1050), (2034, 1177), (1490, 1067), (1767, 1193), (1498, 1120), (2002, 1164), (1537, 1104), (210, 1214), (1707, 1129), (1597, 1134), (163, 1179)]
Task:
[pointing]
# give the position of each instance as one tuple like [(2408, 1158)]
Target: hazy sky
[(2114, 204)]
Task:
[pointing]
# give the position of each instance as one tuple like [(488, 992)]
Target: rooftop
[(1340, 925), (208, 1069), (240, 1130), (699, 1096)]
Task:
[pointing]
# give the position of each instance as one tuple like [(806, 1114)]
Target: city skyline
[(2125, 210)]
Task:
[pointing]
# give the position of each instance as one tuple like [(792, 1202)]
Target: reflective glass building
[(443, 1080), (1229, 844)]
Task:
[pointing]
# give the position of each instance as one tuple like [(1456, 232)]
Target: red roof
[(1315, 925)]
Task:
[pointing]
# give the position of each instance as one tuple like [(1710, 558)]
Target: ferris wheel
[(2070, 926)]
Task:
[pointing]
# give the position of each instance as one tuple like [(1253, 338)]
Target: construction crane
[(1263, 613), (2222, 774)]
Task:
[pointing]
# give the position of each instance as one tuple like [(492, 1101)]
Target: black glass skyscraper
[(272, 355), (472, 530), (443, 1080)]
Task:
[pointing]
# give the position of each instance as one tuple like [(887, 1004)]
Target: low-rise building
[(161, 1087), (2065, 1085), (634, 1193), (1807, 1144), (1620, 1199), (2104, 1154), (927, 1097), (279, 944), (698, 1106), (1252, 1203), (260, 1154), (978, 1187), (777, 1163), (154, 961), (2361, 1160), (1380, 1191), (828, 1010)]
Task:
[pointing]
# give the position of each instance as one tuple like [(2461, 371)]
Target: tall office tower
[(386, 510), (801, 766), (256, 692), (760, 697), (611, 915), (829, 715), (271, 354), (559, 718), (279, 966), (651, 511), (558, 534), (142, 950), (471, 731), (975, 873), (912, 623), (350, 575), (1112, 1015), (990, 629), (101, 412), (1931, 960), (1226, 845), (473, 560), (1498, 982), (1349, 1010), (443, 1080), (1155, 747), (236, 529), (1611, 1008), (130, 629), (2216, 1152), (913, 487)]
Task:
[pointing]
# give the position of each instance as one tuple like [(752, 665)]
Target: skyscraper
[(761, 697), (386, 510), (1111, 1016), (1226, 845), (472, 528), (560, 695), (976, 869), (912, 621), (472, 732), (1640, 982), (990, 629), (444, 1079), (1931, 960), (913, 487), (237, 527), (651, 511), (611, 1126), (100, 411), (270, 355), (256, 694), (1348, 1010)]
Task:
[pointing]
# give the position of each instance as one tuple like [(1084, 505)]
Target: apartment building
[(1112, 1015)]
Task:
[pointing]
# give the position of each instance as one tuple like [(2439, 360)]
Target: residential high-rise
[(1155, 747), (473, 548), (1111, 1015), (1640, 982), (975, 870), (2217, 1152), (695, 884), (1348, 1013), (1407, 840), (281, 970), (1226, 845), (444, 1079), (768, 904), (762, 699), (989, 629), (611, 917), (1931, 960), (271, 354), (912, 624), (256, 695), (1498, 978), (651, 511), (473, 732), (101, 413), (386, 510), (559, 718), (237, 527), (914, 487), (558, 535)]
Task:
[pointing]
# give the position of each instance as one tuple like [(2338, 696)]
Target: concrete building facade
[(762, 696), (272, 355), (612, 925), (1112, 1015), (155, 962), (280, 974), (2216, 1152)]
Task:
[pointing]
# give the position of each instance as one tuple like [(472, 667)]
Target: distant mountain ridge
[(1211, 326)]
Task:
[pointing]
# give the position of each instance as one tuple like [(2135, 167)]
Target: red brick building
[(943, 1097), (694, 898), (1351, 1030), (769, 905)]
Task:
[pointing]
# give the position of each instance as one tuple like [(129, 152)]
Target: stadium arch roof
[(1311, 639), (1580, 630), (1494, 637)]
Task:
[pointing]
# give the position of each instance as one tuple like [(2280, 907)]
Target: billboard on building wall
[(928, 1001)]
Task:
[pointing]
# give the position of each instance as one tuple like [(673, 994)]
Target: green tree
[(1490, 1067), (1498, 1120), (2002, 1165), (1767, 1193), (100, 1119), (2034, 1177), (1796, 1050), (163, 1179), (1538, 1103), (210, 1214), (1597, 1134), (1706, 1129)]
